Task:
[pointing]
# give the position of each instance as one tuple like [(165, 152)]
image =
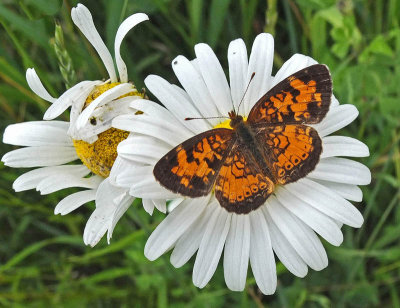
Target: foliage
[(42, 258)]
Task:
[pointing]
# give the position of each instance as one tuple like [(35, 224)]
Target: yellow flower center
[(100, 155), (226, 123)]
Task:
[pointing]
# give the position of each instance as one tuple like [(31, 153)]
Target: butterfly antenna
[(189, 119), (241, 101)]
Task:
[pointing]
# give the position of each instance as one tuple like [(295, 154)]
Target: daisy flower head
[(82, 152), (287, 224)]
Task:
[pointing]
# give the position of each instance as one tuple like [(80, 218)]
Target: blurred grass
[(42, 258)]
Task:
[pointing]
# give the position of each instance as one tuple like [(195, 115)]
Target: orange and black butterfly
[(274, 146)]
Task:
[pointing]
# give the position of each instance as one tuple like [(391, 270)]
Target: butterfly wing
[(190, 169), (241, 185), (292, 151), (302, 98)]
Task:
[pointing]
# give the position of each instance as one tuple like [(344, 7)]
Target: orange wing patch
[(241, 186), (292, 150), (192, 167), (301, 98)]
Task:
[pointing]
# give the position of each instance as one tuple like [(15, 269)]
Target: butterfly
[(274, 146)]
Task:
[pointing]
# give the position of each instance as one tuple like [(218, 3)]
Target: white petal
[(194, 85), (151, 190), (336, 118), (36, 85), (347, 191), (238, 66), (39, 156), (284, 250), (236, 252), (101, 219), (296, 63), (31, 179), (104, 116), (120, 210), (316, 220), (177, 103), (189, 242), (72, 202), (153, 109), (161, 205), (173, 227), (341, 170), (301, 237), (60, 181), (211, 246), (77, 92), (142, 152), (148, 205), (261, 255), (147, 125), (123, 29), (104, 98), (173, 204), (260, 63), (38, 133), (326, 201), (214, 77), (84, 21), (343, 146)]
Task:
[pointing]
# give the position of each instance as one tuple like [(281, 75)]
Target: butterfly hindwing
[(191, 168), (241, 185), (302, 98), (292, 151)]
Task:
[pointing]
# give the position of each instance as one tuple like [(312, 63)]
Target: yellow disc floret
[(226, 124), (100, 155)]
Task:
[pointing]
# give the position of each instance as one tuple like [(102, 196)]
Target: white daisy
[(290, 219), (52, 145)]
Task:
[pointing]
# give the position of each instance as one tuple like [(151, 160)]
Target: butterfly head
[(235, 119)]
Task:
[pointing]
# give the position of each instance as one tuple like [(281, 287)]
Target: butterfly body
[(274, 146)]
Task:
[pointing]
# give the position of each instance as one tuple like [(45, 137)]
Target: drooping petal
[(73, 201), (104, 98), (123, 29), (84, 21), (78, 92), (37, 87), (121, 207)]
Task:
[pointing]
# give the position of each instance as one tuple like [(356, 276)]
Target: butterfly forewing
[(191, 168), (292, 151), (302, 98)]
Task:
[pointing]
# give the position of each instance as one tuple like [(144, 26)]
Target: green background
[(42, 257)]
